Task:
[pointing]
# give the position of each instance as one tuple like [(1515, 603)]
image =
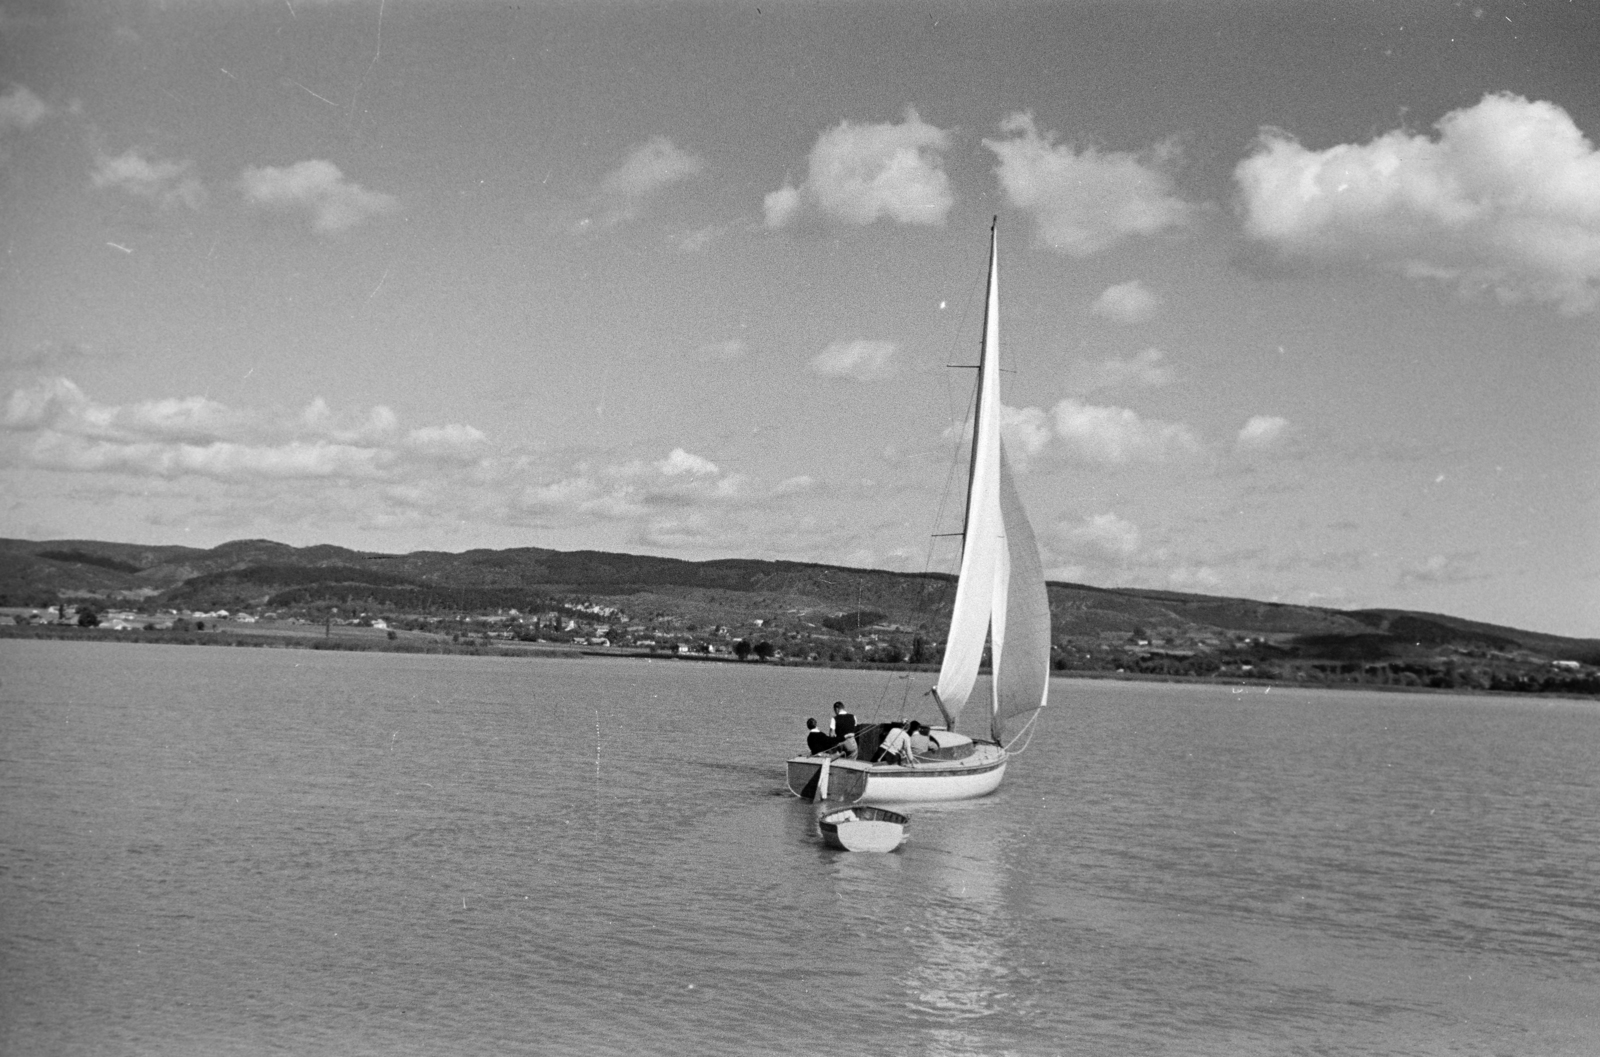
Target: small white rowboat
[(862, 827)]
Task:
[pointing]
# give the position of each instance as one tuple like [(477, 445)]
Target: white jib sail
[(1000, 595), (1022, 672)]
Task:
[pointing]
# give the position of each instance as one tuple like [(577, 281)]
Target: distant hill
[(732, 592)]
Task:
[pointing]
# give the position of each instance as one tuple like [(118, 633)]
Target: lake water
[(208, 851)]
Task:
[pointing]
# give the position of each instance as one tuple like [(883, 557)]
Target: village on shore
[(862, 639)]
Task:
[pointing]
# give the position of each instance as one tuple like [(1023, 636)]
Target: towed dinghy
[(862, 827)]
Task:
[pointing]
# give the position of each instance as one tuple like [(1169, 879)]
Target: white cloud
[(1026, 432), (1116, 436), (318, 188), (681, 462), (1093, 548), (643, 493), (20, 110), (780, 206), (54, 425), (1142, 370), (861, 360), (1262, 432), (1128, 302), (166, 183), (451, 443), (862, 173), (656, 164), (316, 470), (1086, 201), (1505, 198)]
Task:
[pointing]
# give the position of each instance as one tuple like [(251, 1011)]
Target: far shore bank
[(364, 641)]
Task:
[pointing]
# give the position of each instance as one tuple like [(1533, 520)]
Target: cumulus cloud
[(166, 183), (1091, 547), (780, 206), (366, 469), (1505, 197), (1128, 302), (20, 110), (1142, 370), (1262, 433), (1088, 433), (1115, 436), (1026, 432), (639, 491), (318, 189), (1085, 201), (861, 360), (860, 173), (652, 166), (54, 425), (680, 462)]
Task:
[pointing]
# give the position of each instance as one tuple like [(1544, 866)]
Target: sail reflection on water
[(957, 974)]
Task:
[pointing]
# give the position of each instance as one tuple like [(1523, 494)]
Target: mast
[(991, 347), (989, 305)]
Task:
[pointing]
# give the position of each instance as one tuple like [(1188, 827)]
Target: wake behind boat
[(1000, 602)]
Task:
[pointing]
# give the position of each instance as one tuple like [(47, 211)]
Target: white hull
[(862, 827), (853, 781)]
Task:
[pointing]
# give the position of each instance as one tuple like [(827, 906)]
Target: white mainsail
[(1000, 595)]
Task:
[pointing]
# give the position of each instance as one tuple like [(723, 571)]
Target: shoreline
[(414, 643)]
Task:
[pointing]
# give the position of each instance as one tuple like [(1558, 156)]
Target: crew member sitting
[(896, 747), (816, 740), (918, 736)]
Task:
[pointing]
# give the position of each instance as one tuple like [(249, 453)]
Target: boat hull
[(853, 781)]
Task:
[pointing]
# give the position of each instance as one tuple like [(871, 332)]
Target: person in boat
[(844, 728), (917, 734), (896, 747), (817, 741)]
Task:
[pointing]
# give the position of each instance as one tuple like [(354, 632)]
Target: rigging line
[(926, 605), (1027, 728), (953, 341)]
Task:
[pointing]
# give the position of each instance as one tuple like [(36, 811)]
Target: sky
[(1300, 300)]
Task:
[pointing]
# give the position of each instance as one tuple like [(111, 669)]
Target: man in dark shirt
[(844, 724), (816, 741), (844, 728)]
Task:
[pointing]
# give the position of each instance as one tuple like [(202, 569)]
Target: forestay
[(1000, 595)]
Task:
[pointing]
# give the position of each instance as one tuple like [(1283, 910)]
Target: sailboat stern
[(846, 784)]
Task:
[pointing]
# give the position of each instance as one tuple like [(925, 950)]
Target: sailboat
[(1000, 602)]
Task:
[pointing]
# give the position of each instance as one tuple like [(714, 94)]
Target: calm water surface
[(235, 851)]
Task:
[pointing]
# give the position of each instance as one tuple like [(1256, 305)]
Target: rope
[(1027, 728)]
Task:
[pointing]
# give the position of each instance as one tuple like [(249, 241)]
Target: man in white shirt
[(896, 747)]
